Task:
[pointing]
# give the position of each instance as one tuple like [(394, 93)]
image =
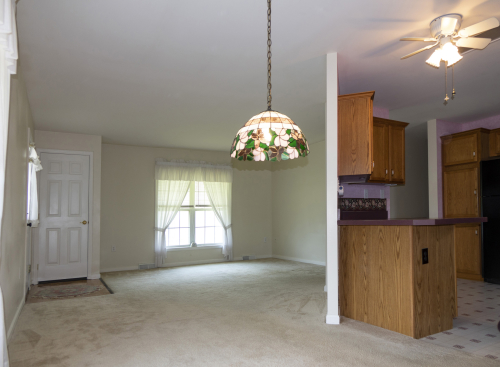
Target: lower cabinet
[(468, 251)]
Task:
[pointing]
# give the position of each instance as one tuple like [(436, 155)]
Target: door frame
[(36, 235)]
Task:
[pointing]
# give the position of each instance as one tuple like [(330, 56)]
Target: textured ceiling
[(191, 73)]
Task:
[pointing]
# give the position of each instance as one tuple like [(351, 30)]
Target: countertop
[(411, 222)]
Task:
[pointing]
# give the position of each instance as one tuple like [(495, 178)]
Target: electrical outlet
[(113, 248), (265, 239), (366, 193), (382, 193), (425, 256)]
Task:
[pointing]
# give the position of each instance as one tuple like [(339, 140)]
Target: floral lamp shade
[(269, 136)]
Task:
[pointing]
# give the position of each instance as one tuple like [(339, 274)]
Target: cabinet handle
[(476, 232), (373, 164), (473, 154), (392, 172), (475, 192), (386, 171)]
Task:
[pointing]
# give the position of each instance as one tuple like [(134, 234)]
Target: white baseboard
[(121, 268), (184, 263), (322, 263), (257, 257), (14, 321), (333, 319), (94, 276)]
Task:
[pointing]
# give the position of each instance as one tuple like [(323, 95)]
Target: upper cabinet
[(355, 134), (369, 146), (467, 147), (495, 143)]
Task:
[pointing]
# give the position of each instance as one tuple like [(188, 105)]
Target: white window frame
[(192, 209)]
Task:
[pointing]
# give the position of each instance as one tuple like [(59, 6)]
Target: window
[(195, 221)]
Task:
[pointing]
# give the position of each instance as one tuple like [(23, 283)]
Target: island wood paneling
[(384, 283), (434, 284)]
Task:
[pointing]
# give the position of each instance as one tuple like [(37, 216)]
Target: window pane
[(186, 199), (184, 219), (200, 218), (173, 237), (184, 237), (209, 235), (200, 236), (219, 235), (201, 197), (210, 218), (175, 223)]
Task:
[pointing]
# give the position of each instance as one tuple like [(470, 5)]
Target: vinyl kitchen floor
[(475, 330)]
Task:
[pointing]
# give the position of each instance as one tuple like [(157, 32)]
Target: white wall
[(14, 229), (84, 143), (412, 199), (128, 183), (299, 207)]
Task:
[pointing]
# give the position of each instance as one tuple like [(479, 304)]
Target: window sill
[(183, 248)]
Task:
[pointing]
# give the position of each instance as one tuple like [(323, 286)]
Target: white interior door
[(64, 215)]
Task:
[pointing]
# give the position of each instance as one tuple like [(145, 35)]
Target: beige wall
[(412, 199), (299, 207), (14, 229), (83, 143), (128, 207)]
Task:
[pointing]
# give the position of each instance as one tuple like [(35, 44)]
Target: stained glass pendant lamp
[(270, 135)]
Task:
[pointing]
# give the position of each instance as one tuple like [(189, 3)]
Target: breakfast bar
[(400, 274)]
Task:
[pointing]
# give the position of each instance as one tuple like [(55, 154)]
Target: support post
[(332, 267), (432, 160)]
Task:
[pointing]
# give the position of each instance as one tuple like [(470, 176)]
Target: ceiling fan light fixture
[(435, 59), (450, 54)]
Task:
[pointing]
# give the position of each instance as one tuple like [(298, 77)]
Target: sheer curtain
[(218, 185), (172, 184), (34, 166), (8, 66)]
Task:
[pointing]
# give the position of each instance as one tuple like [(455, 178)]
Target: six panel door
[(460, 192), (64, 210)]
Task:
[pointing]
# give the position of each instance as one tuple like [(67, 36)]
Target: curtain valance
[(192, 171)]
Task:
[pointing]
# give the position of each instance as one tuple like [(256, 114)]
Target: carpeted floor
[(254, 313)]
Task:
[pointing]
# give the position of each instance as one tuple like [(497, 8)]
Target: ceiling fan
[(446, 32)]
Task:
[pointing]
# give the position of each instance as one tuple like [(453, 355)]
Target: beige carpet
[(255, 313)]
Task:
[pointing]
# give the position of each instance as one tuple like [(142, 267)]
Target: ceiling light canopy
[(270, 135)]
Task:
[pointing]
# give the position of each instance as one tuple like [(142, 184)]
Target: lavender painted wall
[(358, 191), (446, 128)]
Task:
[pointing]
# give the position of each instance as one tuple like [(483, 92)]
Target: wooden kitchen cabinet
[(468, 251), (461, 191), (466, 147), (388, 151), (495, 143), (355, 134)]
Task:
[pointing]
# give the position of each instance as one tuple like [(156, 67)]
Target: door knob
[(84, 222)]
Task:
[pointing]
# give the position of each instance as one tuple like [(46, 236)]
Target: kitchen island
[(399, 274)]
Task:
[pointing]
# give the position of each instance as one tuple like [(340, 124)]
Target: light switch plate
[(366, 193)]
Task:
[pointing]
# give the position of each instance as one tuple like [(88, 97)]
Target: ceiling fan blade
[(480, 27), (418, 51), (418, 39), (477, 43)]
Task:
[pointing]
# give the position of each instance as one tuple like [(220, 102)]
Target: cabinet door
[(468, 251), (355, 135), (495, 143), (460, 149), (396, 154), (460, 192), (380, 153)]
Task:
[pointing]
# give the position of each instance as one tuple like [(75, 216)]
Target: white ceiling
[(191, 73)]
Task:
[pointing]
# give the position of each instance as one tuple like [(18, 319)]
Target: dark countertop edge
[(411, 222)]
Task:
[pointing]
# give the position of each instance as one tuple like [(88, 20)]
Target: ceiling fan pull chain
[(446, 83), (453, 81)]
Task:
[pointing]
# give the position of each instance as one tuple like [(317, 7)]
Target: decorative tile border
[(362, 204)]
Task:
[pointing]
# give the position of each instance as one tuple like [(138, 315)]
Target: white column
[(432, 157), (332, 266)]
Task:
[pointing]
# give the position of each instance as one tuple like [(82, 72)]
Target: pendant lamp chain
[(269, 85)]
